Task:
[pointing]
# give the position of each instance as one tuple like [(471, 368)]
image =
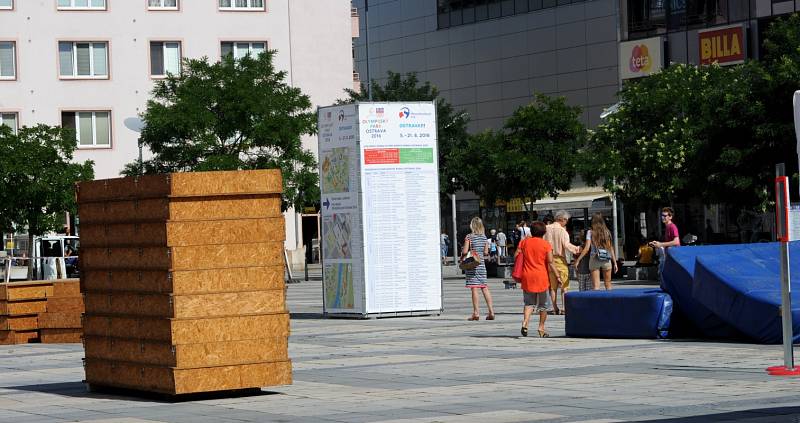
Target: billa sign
[(640, 58), (724, 46)]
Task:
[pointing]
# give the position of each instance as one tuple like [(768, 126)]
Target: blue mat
[(619, 313), (742, 287), (690, 318)]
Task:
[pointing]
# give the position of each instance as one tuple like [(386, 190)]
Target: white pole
[(796, 105), (455, 230), (615, 224)]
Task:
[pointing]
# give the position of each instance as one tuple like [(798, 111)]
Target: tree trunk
[(30, 256)]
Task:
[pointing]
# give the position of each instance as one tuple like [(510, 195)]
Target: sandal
[(474, 317), (490, 317), (543, 334), (524, 331)]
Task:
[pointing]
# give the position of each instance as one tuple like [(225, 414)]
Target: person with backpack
[(601, 253)]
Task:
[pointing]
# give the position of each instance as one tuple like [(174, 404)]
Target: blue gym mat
[(690, 318), (619, 313), (742, 287)]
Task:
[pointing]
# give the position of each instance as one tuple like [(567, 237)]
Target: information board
[(380, 197)]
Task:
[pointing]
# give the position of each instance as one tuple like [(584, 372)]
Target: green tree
[(534, 156), (229, 115), (38, 179), (451, 124)]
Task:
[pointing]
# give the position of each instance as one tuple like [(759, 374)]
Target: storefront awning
[(568, 201)]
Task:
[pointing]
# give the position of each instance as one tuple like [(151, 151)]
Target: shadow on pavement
[(82, 390), (776, 415)]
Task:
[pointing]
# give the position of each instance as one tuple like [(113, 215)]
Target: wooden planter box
[(209, 354), (182, 381), (182, 258), (185, 282), (29, 290), (188, 331), (186, 306)]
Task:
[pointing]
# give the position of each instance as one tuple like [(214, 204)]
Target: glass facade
[(651, 17), (463, 12)]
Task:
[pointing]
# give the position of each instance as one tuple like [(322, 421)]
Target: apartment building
[(91, 64)]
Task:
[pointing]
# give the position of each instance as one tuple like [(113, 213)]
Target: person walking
[(601, 254), (444, 241), (670, 239), (476, 278), (582, 271), (537, 255), (501, 245), (558, 237)]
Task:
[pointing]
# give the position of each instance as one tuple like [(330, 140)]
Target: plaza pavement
[(437, 369)]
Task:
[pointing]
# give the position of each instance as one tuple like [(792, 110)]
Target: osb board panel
[(183, 233), (186, 306), (20, 323), (193, 184), (19, 308), (186, 282), (147, 186), (193, 257), (66, 288), (60, 336), (28, 290), (189, 331), (185, 381), (11, 337), (177, 209), (190, 355), (60, 320), (65, 305)]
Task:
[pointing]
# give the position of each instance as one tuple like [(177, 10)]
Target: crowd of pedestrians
[(542, 249)]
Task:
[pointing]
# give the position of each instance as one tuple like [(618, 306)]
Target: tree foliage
[(230, 115), (451, 124), (38, 178), (535, 154)]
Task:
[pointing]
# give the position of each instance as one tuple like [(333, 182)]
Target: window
[(8, 66), (6, 4), (162, 4), (10, 120), (83, 59), (462, 12), (240, 49), (165, 58), (82, 4), (92, 129), (241, 4)]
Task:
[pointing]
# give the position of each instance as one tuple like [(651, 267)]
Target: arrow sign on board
[(327, 204)]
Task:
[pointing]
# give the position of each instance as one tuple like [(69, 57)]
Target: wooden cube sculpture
[(183, 282)]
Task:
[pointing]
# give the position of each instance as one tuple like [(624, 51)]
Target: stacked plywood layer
[(182, 277), (20, 305), (61, 321)]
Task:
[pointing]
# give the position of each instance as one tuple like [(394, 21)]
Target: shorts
[(540, 301), (597, 264), (585, 282), (563, 270)]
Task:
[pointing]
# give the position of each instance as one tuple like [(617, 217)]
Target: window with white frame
[(8, 66), (82, 4), (162, 4), (10, 120), (165, 58), (92, 129), (6, 4), (241, 4), (240, 49), (83, 59)]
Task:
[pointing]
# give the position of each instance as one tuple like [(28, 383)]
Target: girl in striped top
[(476, 278)]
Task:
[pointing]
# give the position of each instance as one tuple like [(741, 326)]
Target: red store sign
[(722, 45)]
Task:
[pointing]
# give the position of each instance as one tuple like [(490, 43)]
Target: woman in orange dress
[(538, 261)]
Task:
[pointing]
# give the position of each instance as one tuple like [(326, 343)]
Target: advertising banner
[(379, 180), (640, 57), (725, 45)]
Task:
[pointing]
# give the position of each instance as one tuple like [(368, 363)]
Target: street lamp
[(455, 231), (136, 124)]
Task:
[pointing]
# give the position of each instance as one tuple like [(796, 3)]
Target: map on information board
[(335, 165), (338, 284), (337, 230)]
